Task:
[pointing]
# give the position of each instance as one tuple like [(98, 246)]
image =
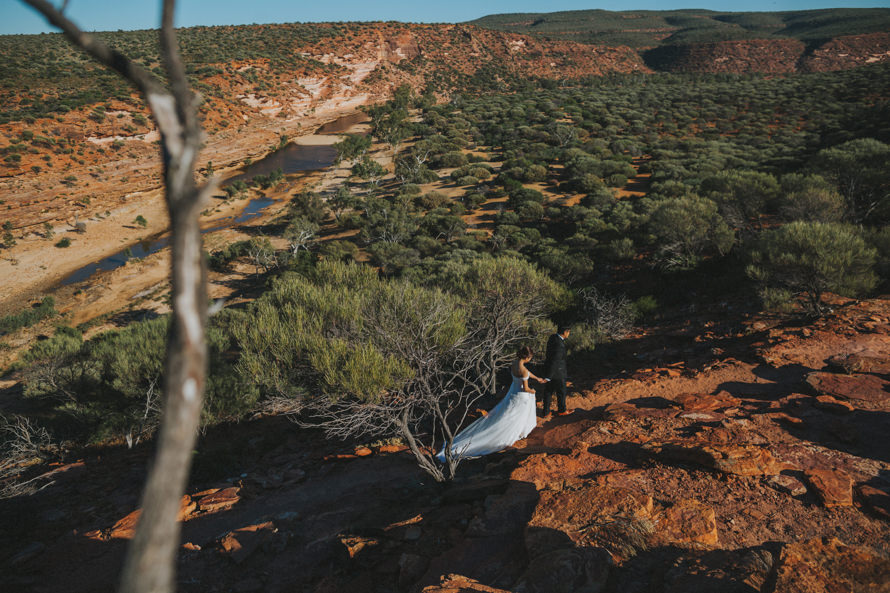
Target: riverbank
[(137, 288)]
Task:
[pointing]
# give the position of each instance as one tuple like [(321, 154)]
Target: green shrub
[(40, 311), (687, 229), (64, 242), (811, 258)]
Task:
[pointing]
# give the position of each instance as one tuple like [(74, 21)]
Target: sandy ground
[(35, 267)]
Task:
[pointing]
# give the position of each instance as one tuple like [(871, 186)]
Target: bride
[(512, 419)]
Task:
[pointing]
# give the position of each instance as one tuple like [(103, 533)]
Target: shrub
[(340, 250), (688, 228), (45, 308), (140, 220), (610, 317), (64, 242), (811, 258), (366, 356)]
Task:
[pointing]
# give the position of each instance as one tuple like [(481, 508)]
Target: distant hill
[(647, 29)]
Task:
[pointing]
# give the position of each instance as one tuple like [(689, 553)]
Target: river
[(291, 159)]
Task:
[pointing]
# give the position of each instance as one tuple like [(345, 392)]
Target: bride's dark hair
[(525, 352)]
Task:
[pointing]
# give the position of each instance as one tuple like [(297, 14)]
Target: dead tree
[(150, 563)]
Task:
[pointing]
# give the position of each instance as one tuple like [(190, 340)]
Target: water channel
[(293, 158)]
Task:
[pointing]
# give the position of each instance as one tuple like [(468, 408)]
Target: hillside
[(65, 120), (646, 29), (706, 41), (746, 459)]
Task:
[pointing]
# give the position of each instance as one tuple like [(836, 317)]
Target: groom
[(555, 371)]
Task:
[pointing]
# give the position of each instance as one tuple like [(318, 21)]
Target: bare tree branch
[(150, 563)]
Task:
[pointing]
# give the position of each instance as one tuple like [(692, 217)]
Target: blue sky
[(105, 15)]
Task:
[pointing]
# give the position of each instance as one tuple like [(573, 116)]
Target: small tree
[(358, 356), (688, 228), (811, 258), (859, 169), (300, 233)]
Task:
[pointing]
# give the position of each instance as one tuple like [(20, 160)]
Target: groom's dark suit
[(555, 370)]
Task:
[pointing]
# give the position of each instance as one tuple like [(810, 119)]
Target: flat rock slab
[(827, 564), (706, 402), (740, 460), (834, 487), (687, 522), (590, 514), (866, 361), (787, 484), (870, 388), (219, 500)]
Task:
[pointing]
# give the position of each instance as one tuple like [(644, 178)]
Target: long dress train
[(512, 419)]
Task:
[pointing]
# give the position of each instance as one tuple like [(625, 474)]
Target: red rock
[(788, 485), (860, 387), (454, 583), (741, 460), (876, 500), (834, 487), (391, 448), (830, 404), (589, 514), (363, 452), (191, 547), (702, 402), (243, 542), (219, 500), (621, 410), (866, 361), (828, 565), (687, 522), (340, 457), (783, 417), (356, 543), (566, 571), (125, 528)]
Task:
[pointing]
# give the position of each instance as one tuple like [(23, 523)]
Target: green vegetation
[(389, 305), (40, 311), (646, 28)]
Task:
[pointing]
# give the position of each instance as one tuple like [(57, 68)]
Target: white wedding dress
[(512, 419)]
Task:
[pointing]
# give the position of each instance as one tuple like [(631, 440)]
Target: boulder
[(740, 460), (219, 500), (833, 487), (787, 484), (870, 388), (591, 514), (866, 361)]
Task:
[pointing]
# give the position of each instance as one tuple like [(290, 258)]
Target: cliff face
[(776, 56)]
